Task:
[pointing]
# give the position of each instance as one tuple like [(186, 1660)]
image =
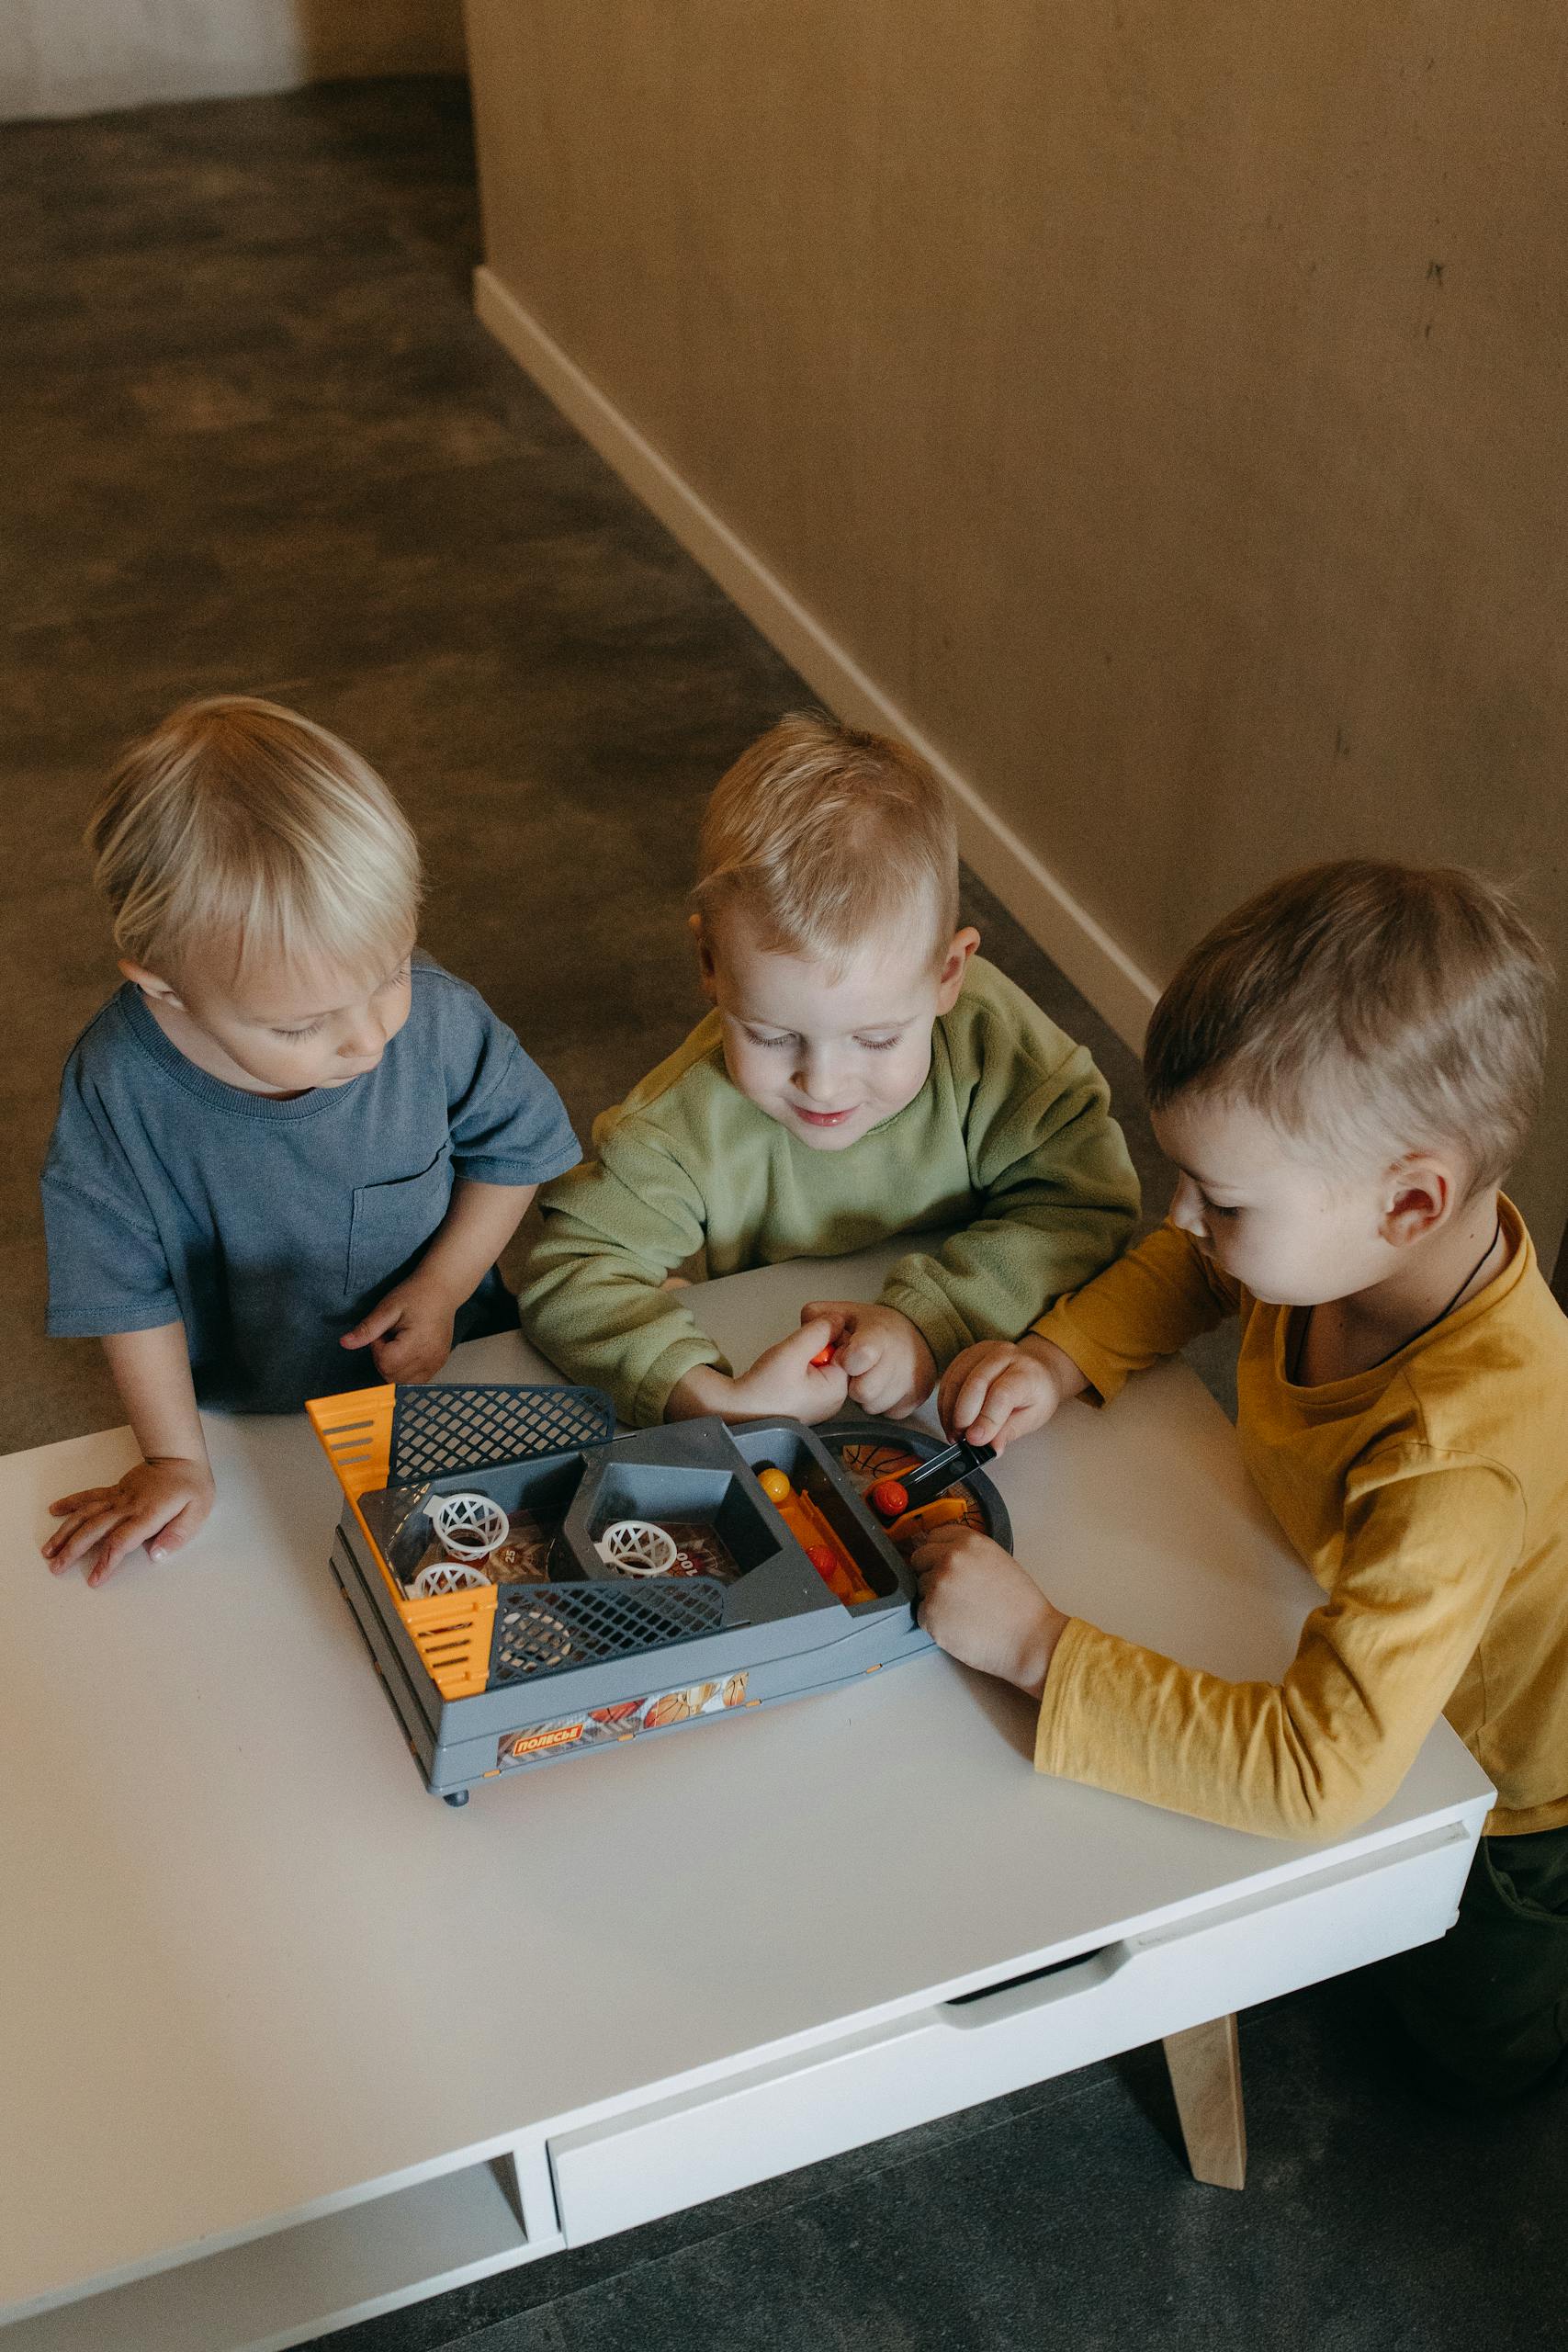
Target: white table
[(288, 2041)]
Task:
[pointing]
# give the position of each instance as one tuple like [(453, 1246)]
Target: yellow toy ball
[(775, 1484)]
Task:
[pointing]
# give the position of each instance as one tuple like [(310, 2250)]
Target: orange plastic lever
[(827, 1554)]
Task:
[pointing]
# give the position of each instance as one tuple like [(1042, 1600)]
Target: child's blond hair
[(1367, 1007), (238, 821), (826, 838)]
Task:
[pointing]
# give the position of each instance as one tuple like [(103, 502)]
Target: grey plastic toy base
[(592, 1657)]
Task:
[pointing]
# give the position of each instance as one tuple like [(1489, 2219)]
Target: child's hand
[(998, 1391), (783, 1380), (890, 1366), (409, 1331), (159, 1504), (984, 1610)]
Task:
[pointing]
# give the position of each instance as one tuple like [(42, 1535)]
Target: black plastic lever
[(932, 1478)]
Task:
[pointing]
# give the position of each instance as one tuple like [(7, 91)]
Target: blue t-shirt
[(269, 1225)]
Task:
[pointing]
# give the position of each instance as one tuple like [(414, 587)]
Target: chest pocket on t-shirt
[(392, 1223)]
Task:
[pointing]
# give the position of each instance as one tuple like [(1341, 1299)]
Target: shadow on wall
[(66, 57)]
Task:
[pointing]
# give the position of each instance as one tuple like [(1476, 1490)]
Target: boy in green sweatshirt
[(862, 1073)]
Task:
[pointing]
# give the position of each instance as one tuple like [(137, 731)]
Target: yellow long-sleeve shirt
[(1429, 1499)]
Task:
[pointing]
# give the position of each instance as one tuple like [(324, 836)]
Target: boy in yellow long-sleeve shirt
[(1342, 1072)]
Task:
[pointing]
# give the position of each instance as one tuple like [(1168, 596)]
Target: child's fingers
[(109, 1554), (784, 1379), (933, 1550), (810, 1340), (882, 1388), (371, 1326), (83, 1500), (410, 1356), (955, 1566), (830, 1311), (957, 1399), (179, 1530), (989, 1426), (79, 1538), (399, 1338), (1014, 1406), (1022, 1420), (72, 1510), (133, 1527), (116, 1544), (953, 1390), (996, 1429), (96, 1515), (1009, 1389), (971, 1406)]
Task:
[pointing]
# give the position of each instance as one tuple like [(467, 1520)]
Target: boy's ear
[(955, 963), (704, 957), (1421, 1193), (150, 984)]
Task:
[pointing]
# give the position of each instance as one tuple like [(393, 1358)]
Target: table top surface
[(248, 1963)]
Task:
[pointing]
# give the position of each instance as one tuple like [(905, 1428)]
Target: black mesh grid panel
[(438, 1431), (543, 1628)]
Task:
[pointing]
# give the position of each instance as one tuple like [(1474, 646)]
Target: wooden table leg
[(1205, 2074)]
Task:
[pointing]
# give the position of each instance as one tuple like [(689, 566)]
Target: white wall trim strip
[(1118, 989)]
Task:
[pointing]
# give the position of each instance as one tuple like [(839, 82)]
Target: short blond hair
[(825, 837), (1369, 1008), (238, 821)]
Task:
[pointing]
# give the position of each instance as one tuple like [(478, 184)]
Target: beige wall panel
[(1164, 403)]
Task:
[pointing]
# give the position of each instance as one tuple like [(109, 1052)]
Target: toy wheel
[(458, 1796)]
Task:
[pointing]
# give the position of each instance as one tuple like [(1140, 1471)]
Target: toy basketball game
[(531, 1586)]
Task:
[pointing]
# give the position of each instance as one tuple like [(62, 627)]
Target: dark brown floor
[(254, 439), (257, 441)]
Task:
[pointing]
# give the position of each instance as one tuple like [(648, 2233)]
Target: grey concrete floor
[(254, 440)]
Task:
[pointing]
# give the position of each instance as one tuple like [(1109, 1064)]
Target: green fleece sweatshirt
[(1010, 1138)]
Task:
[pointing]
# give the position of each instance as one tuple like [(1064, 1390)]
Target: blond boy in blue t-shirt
[(290, 1149)]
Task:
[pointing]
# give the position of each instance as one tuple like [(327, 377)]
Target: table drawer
[(746, 2127)]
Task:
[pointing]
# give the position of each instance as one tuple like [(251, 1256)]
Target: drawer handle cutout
[(1030, 1976)]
